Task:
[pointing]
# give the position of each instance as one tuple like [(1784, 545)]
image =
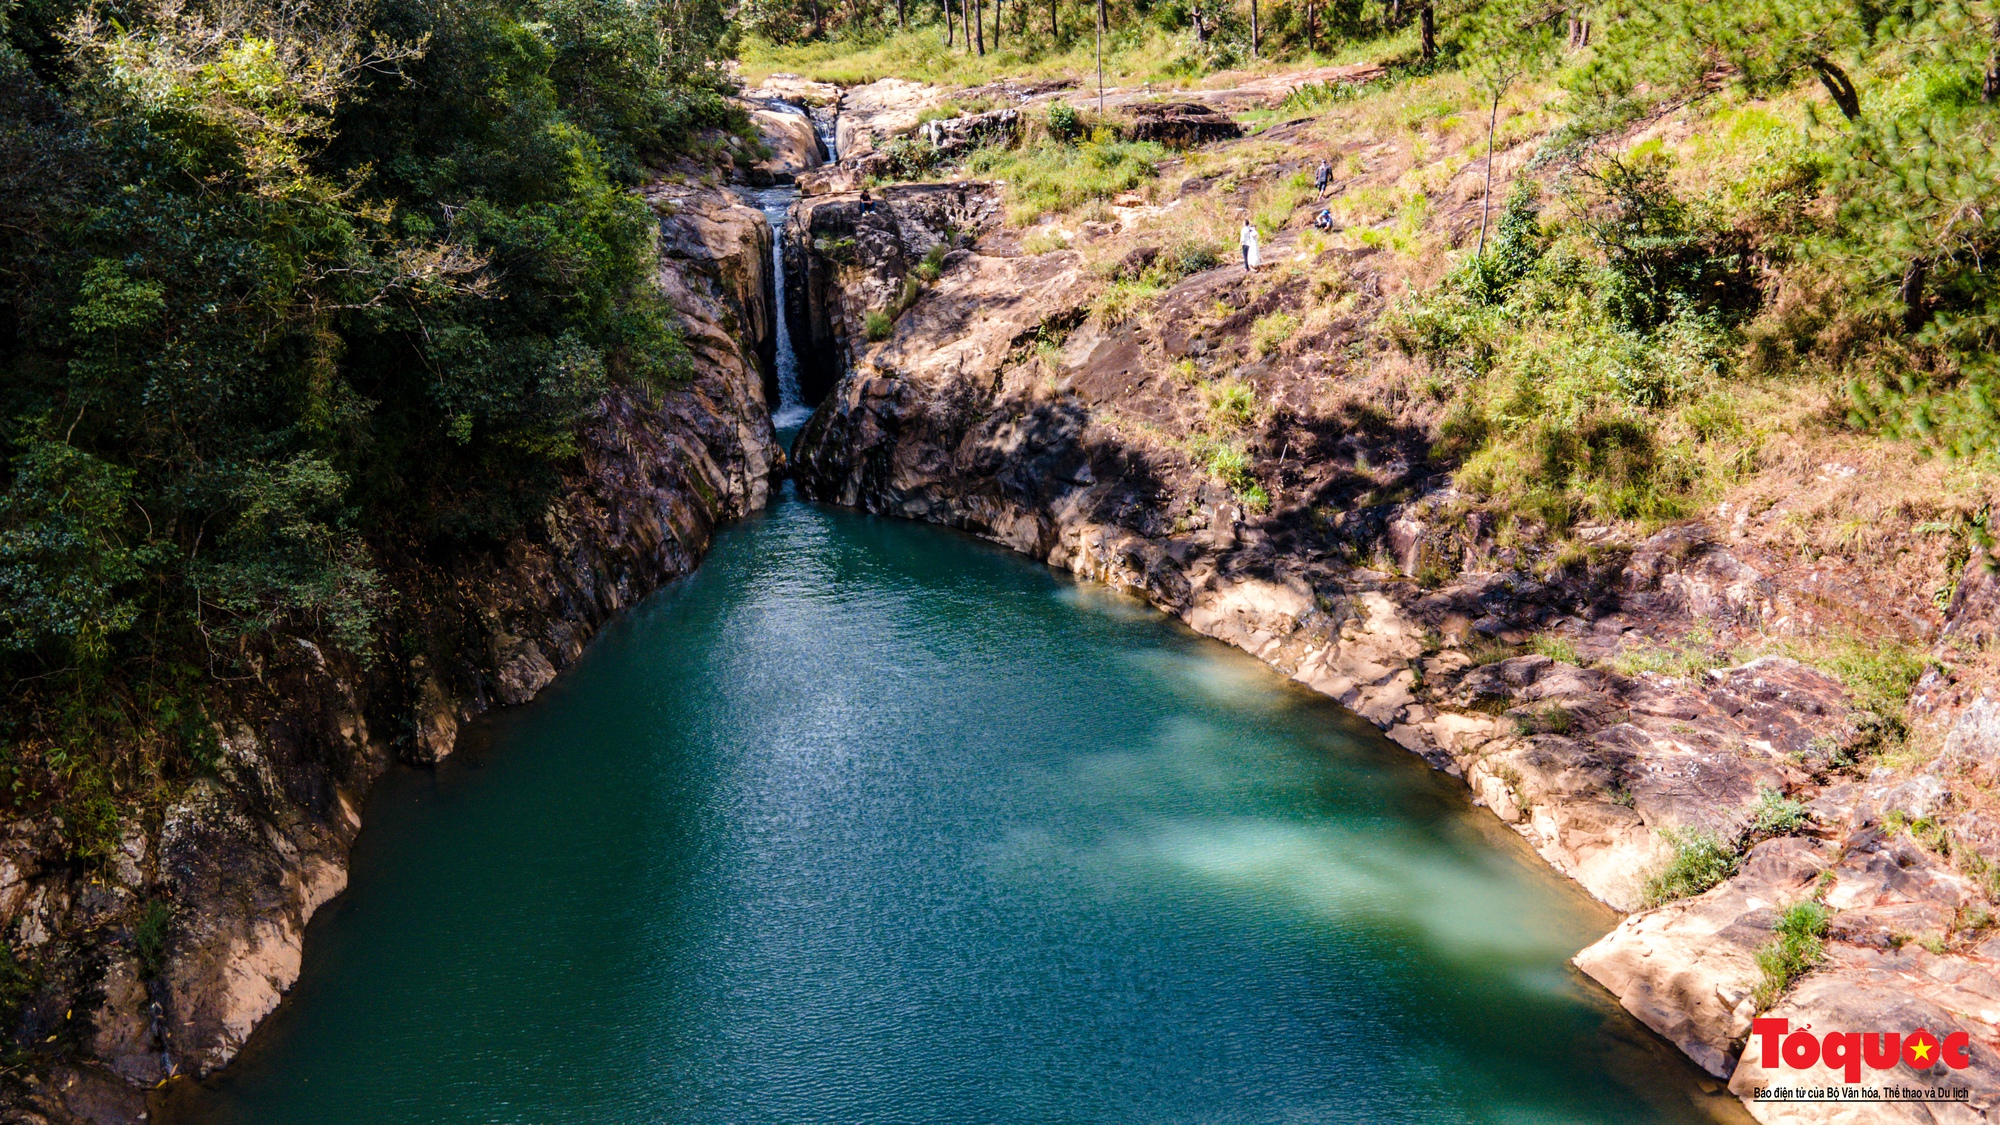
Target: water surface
[(868, 822)]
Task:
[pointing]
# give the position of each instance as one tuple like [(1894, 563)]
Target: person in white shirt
[(1248, 240)]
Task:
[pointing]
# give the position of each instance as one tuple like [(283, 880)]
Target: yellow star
[(1922, 1050)]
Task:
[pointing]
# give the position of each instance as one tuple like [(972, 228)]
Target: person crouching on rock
[(1248, 240)]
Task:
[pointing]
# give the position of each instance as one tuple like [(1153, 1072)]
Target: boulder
[(875, 112), (1180, 124), (789, 135), (955, 135)]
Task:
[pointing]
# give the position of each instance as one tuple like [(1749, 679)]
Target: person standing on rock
[(1322, 177), (1248, 240)]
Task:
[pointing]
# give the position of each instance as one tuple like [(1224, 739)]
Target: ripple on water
[(870, 822)]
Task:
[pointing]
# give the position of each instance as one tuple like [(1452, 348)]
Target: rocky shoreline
[(1000, 405)]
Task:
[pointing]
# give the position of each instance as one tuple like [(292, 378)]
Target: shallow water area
[(871, 822)]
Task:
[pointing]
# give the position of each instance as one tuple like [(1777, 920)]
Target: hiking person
[(1247, 238), (1324, 220), (1322, 177)]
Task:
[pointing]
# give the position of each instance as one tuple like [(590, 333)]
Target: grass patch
[(1690, 656), (1229, 463), (1562, 650), (1777, 815), (1053, 178), (1797, 948), (1231, 403), (1124, 299), (878, 326), (1271, 331), (1701, 859)]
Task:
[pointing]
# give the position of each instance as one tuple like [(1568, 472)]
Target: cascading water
[(824, 121), (792, 409)]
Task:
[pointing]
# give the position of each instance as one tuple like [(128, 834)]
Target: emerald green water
[(870, 822)]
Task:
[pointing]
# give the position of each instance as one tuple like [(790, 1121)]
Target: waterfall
[(792, 410)]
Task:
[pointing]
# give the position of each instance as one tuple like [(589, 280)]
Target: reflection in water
[(870, 823)]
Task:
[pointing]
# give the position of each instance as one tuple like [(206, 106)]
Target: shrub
[(1793, 952), (149, 937), (1185, 257), (1775, 815), (1663, 259), (910, 157), (932, 264), (879, 326), (1701, 860), (1065, 124)]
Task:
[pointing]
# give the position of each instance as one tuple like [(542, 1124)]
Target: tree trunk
[(965, 23), (1839, 86), (1055, 32), (1427, 31), (1312, 39), (1100, 57), (902, 24), (1912, 292), (1991, 90), (1486, 202), (979, 24), (949, 38), (996, 24), (1392, 12), (1256, 36)]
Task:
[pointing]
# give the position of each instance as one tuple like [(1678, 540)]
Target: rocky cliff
[(1009, 402), (162, 961)]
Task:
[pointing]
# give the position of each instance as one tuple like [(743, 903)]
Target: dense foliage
[(291, 293)]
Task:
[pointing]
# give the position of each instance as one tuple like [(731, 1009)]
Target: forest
[(292, 295)]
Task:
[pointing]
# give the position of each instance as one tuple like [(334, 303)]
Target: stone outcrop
[(1000, 404), (845, 258), (1180, 124), (790, 138), (890, 107), (236, 864), (954, 136)]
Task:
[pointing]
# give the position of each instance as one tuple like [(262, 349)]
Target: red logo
[(1847, 1051)]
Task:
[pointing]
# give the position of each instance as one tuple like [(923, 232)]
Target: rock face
[(1001, 404), (238, 863), (871, 114), (1180, 124), (954, 136), (846, 258), (790, 135)]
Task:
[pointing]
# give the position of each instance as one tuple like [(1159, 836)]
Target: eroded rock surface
[(889, 107), (1000, 402)]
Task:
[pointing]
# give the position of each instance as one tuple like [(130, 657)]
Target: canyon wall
[(1002, 403), (239, 861)]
